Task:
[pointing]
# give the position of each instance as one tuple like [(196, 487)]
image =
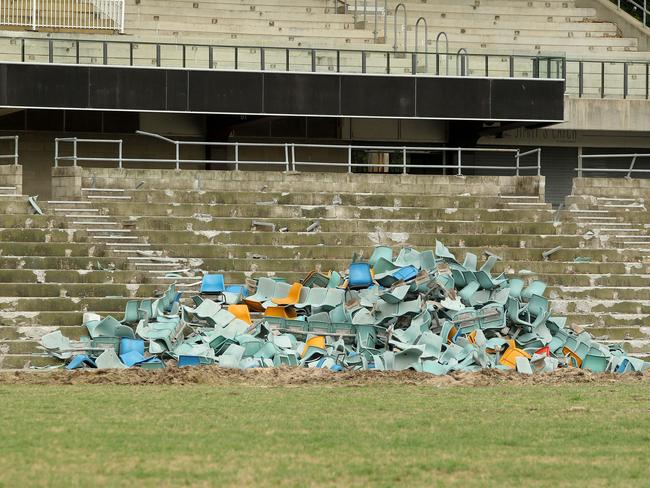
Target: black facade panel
[(177, 90), (378, 96), (301, 94), (261, 93), (127, 89), (229, 92), (453, 98), (46, 86), (527, 99)]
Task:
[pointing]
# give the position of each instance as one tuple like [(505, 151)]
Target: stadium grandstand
[(208, 135)]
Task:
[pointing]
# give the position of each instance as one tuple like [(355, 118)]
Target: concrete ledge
[(163, 179), (12, 175)]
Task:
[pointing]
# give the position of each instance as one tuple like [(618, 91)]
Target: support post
[(460, 161), (178, 155), (404, 159), (580, 162), (119, 156)]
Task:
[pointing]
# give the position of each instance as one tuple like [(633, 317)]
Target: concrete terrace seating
[(492, 25), (88, 254)]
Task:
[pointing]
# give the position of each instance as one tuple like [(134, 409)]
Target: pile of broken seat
[(423, 311)]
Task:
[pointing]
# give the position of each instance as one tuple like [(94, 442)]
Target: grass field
[(323, 435)]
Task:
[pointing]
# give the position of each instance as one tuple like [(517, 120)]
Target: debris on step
[(421, 311), (314, 227), (550, 252), (34, 204), (265, 226)]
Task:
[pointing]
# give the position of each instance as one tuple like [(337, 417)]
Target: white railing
[(633, 157), (64, 14), (636, 8), (289, 161), (13, 155)]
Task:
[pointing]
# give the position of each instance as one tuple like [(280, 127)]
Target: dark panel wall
[(138, 89)]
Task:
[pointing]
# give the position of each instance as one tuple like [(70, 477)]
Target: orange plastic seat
[(574, 358), (509, 357), (281, 312), (292, 297), (241, 312)]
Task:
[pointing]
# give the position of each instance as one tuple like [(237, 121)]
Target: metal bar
[(405, 26), (211, 58), (120, 154), (184, 56), (313, 60), (16, 150), (580, 156), (404, 159), (105, 52), (178, 156), (74, 151), (629, 173), (602, 80), (236, 57), (50, 51), (262, 58), (387, 62), (287, 56), (647, 82), (580, 79), (338, 61), (130, 54), (625, 81), (56, 153), (511, 65), (517, 156), (349, 159), (487, 65), (460, 159), (363, 61), (158, 55), (236, 156)]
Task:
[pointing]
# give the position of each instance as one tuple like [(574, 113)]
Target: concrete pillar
[(12, 175), (66, 183)]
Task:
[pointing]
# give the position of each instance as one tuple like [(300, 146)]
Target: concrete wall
[(595, 114), (70, 180)]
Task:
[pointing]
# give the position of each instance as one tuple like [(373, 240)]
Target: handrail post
[(56, 152), (404, 159), (178, 155), (293, 156), (236, 156), (16, 150), (579, 161), (517, 162), (539, 161), (119, 160), (74, 151), (349, 159), (440, 34), (460, 161), (629, 173), (34, 14)]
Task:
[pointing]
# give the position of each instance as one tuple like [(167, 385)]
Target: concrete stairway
[(55, 267)]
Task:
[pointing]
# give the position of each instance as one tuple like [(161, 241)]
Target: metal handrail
[(633, 4), (426, 42), (385, 19), (440, 34), (13, 155), (405, 27), (631, 169), (461, 61), (291, 161)]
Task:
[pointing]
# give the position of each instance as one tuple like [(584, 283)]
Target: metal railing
[(13, 155), (276, 59), (636, 8), (64, 14), (633, 157), (288, 158)]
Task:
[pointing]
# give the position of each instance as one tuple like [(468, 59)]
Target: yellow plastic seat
[(281, 312), (509, 357), (241, 312), (292, 297), (316, 341)]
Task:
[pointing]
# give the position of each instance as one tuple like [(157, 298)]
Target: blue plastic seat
[(360, 276), (212, 284), (406, 273)]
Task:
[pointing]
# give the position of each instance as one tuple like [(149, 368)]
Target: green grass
[(571, 435)]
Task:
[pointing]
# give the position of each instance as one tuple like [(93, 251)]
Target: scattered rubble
[(421, 311)]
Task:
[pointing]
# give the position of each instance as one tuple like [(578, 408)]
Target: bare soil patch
[(295, 377)]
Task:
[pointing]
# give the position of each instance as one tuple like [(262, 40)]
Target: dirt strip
[(295, 377)]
